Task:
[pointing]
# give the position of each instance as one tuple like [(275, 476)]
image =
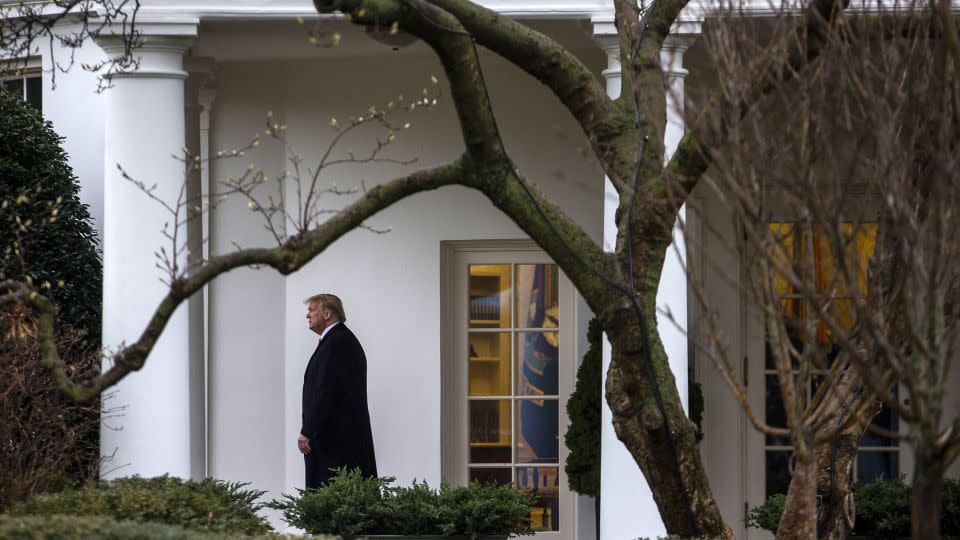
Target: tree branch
[(290, 257)]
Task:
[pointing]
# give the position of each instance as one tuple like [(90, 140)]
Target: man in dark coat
[(336, 421)]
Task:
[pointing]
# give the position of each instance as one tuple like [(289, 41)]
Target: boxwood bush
[(883, 509), (351, 505), (208, 506)]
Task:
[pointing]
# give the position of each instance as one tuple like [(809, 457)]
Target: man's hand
[(303, 444)]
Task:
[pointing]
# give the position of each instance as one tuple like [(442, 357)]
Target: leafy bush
[(209, 505), (348, 505), (45, 236), (35, 182), (62, 527), (583, 409), (351, 505), (412, 510), (767, 515), (883, 509), (951, 507), (477, 510)]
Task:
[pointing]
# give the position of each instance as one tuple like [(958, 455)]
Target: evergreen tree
[(583, 408), (45, 231)]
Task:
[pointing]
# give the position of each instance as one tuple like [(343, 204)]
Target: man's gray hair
[(330, 302)]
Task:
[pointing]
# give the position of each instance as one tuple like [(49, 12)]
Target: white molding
[(540, 9)]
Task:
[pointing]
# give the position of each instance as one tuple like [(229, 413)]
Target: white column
[(151, 433), (627, 508), (672, 291)]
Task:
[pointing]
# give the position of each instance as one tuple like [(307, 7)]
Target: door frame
[(454, 384)]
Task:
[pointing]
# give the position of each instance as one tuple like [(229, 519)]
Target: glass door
[(513, 367)]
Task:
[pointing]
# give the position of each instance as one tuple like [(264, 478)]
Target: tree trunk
[(639, 387), (835, 457), (801, 522), (927, 494)]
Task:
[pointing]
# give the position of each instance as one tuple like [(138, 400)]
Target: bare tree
[(850, 223), (625, 135), (27, 26)]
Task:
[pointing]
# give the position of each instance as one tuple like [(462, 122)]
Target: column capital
[(159, 49), (605, 33), (671, 54)]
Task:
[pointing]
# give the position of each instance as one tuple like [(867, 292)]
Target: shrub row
[(883, 509), (206, 506), (350, 505), (64, 527)]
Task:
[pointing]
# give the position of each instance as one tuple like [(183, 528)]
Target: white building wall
[(246, 346), (390, 283), (71, 102)]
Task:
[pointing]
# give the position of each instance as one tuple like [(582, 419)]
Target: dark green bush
[(412, 510), (57, 527), (351, 505), (583, 409), (477, 510), (767, 515), (61, 527), (35, 180), (883, 509), (209, 505)]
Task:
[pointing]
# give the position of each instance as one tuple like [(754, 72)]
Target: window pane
[(874, 464), (776, 415), (35, 92), (538, 363), (491, 475), (538, 300), (887, 419), (489, 361), (490, 431), (545, 484), (866, 242), (538, 431), (778, 472), (490, 295)]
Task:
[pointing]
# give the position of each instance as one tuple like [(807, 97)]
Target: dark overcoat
[(335, 414)]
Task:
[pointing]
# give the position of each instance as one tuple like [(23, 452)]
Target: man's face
[(317, 317)]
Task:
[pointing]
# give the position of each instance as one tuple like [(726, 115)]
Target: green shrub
[(767, 515), (35, 179), (951, 507), (57, 527), (883, 509), (478, 510), (583, 409), (412, 510), (351, 505), (209, 505), (62, 527)]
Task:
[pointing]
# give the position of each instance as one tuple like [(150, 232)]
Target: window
[(29, 88), (877, 456)]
